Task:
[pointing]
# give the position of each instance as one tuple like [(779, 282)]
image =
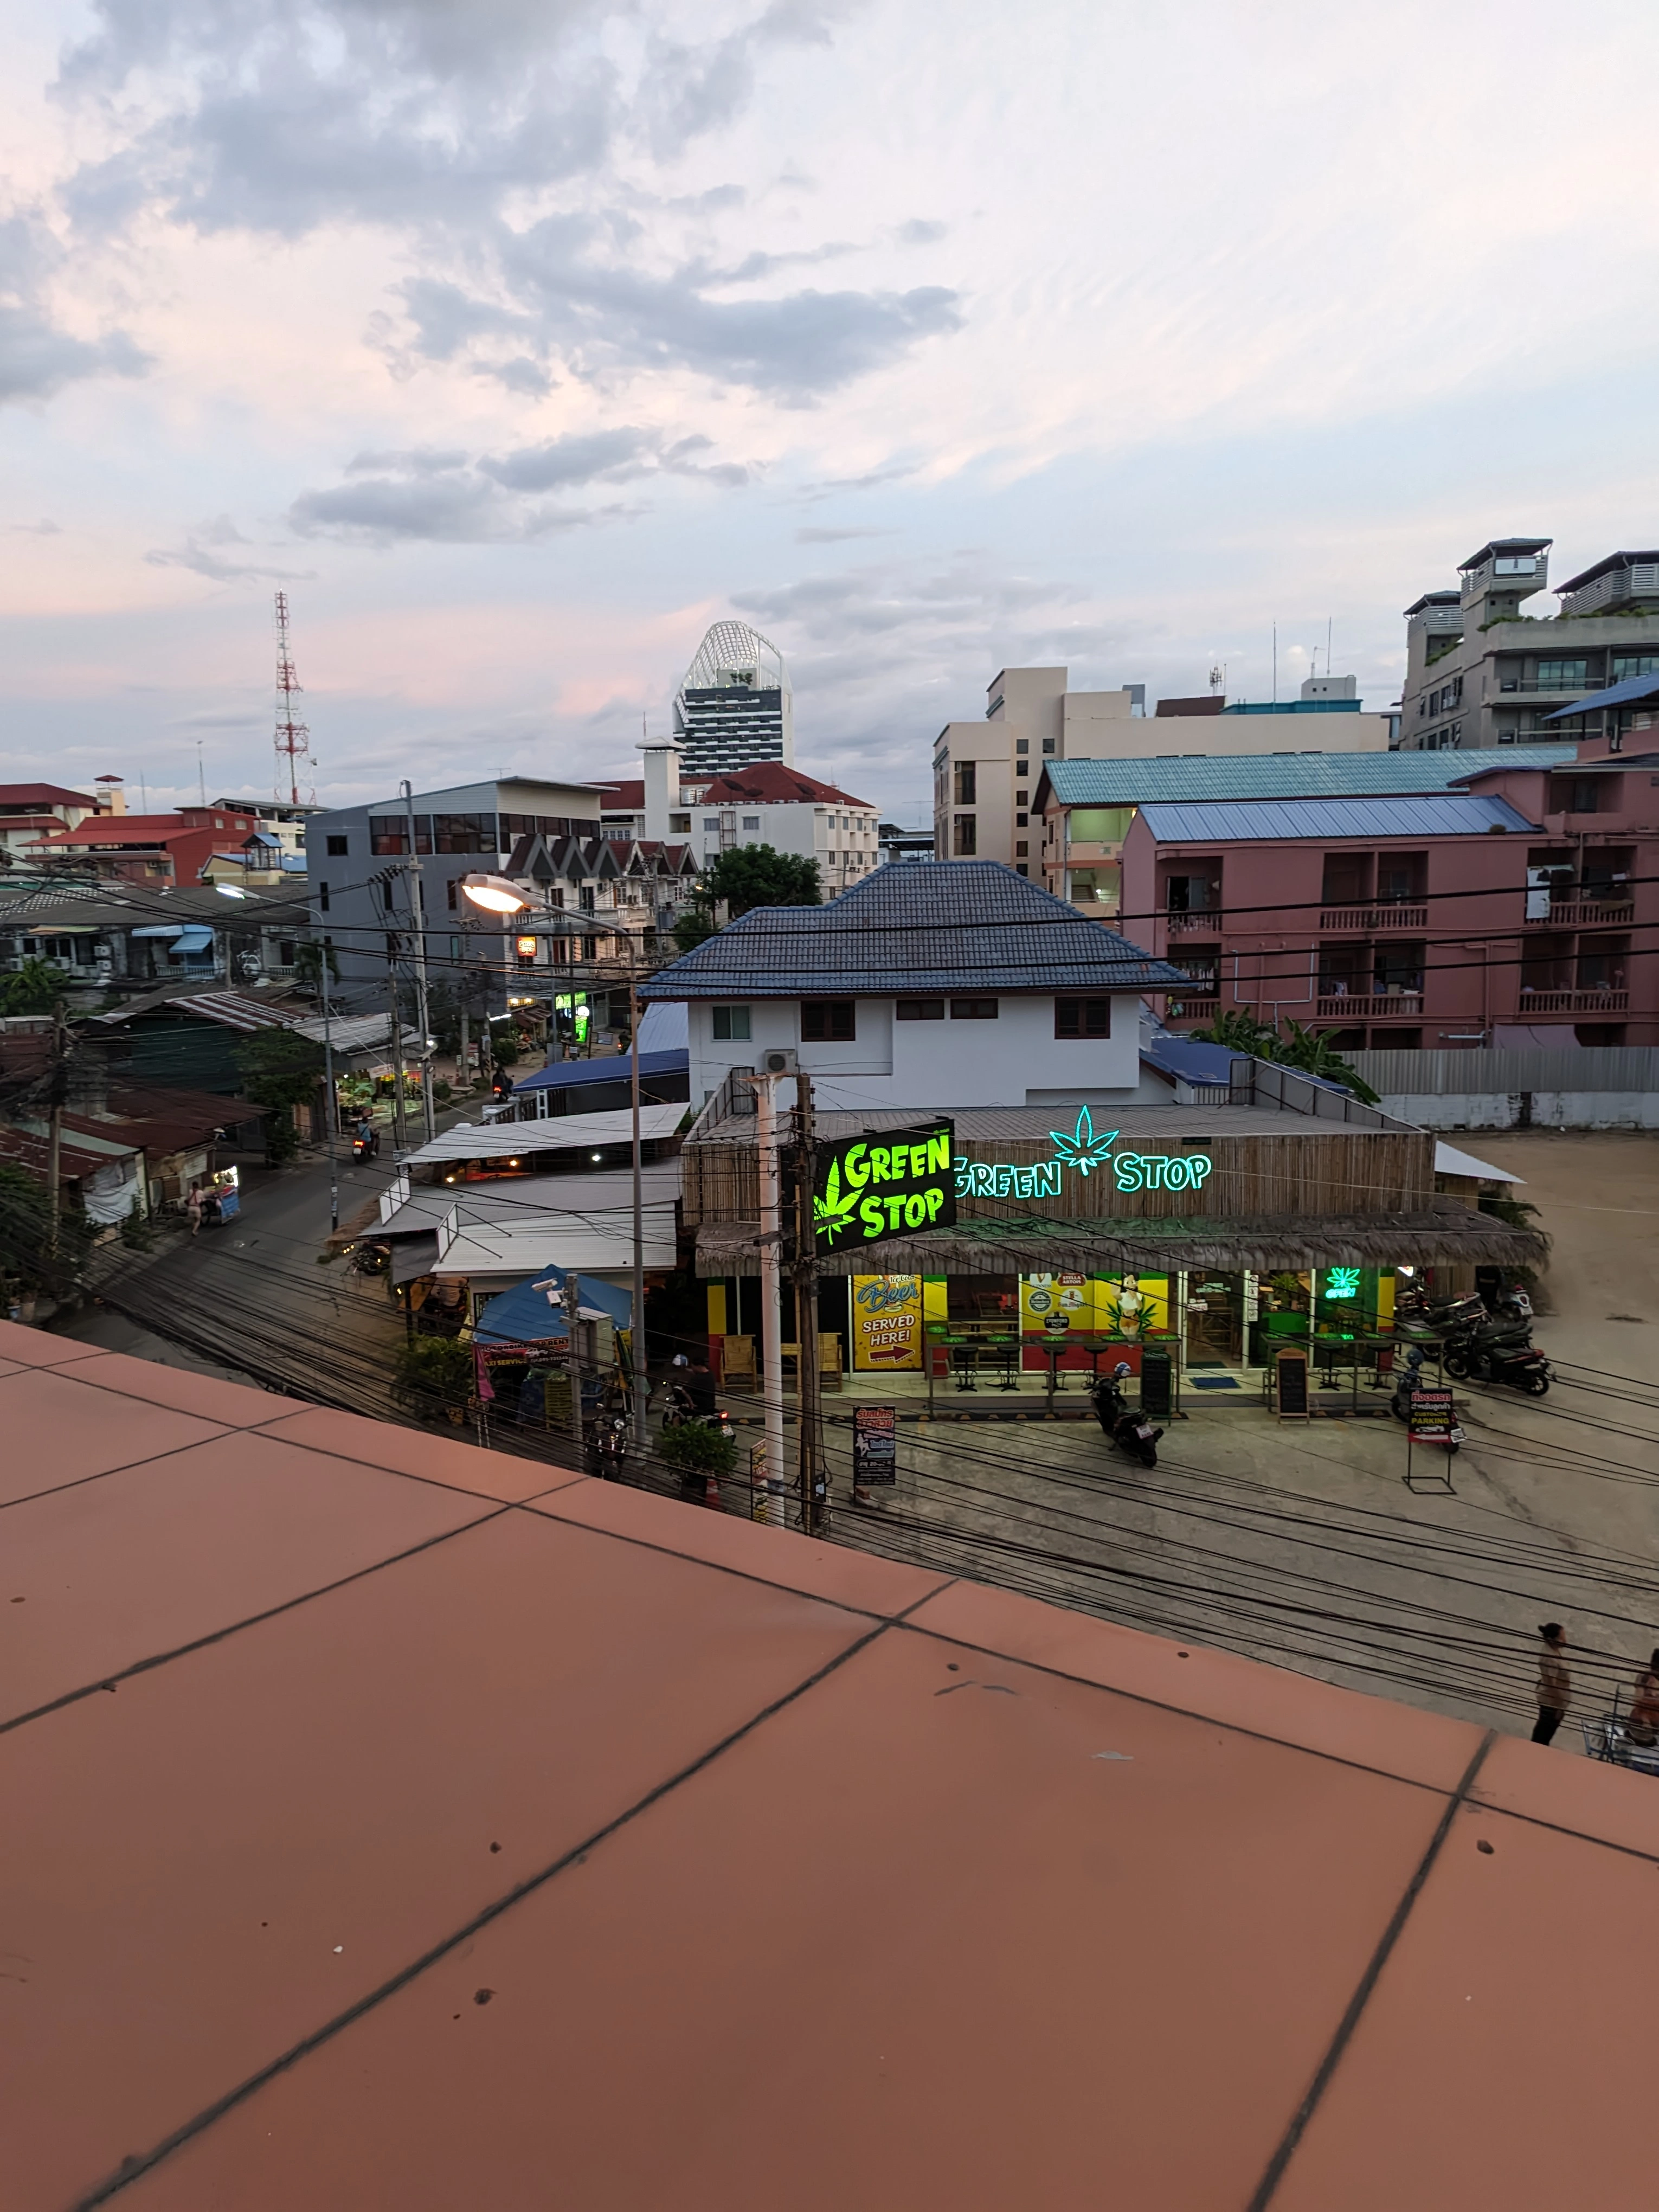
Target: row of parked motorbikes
[(1479, 1343)]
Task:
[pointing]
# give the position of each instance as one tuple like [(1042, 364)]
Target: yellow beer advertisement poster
[(886, 1323)]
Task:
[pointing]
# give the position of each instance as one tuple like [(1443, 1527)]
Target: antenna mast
[(293, 738)]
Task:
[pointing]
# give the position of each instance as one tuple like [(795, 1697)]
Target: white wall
[(1014, 1060)]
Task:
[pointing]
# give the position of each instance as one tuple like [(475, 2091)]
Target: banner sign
[(875, 1445), (894, 1182), (886, 1323)]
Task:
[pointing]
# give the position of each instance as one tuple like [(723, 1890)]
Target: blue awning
[(1616, 694), (562, 1074), (524, 1315), (196, 939)]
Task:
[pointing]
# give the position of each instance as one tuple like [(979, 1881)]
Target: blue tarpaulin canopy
[(1616, 694), (526, 1314), (664, 1042)]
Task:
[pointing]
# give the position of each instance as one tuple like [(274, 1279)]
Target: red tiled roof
[(15, 795), (769, 783), (622, 797), (129, 829), (395, 1823)]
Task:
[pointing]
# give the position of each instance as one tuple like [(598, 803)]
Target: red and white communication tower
[(293, 738)]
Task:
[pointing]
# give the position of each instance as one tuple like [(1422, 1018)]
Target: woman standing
[(1642, 1727), (1554, 1682)]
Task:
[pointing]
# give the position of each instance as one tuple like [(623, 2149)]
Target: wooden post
[(814, 1490)]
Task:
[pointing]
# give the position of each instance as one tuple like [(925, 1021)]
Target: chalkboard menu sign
[(1291, 1373), (1155, 1385)]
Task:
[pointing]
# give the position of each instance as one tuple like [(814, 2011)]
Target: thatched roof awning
[(1447, 1233)]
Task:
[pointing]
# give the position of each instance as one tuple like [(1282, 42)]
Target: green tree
[(694, 1447), (279, 1071), (434, 1375), (1240, 1032), (26, 1253), (747, 876), (1310, 1051), (308, 966), (34, 988)]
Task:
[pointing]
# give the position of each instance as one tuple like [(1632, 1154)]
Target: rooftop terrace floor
[(393, 1824)]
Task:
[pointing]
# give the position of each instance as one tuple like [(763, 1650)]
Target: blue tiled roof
[(1191, 1060), (959, 925), (1284, 776), (1220, 823)]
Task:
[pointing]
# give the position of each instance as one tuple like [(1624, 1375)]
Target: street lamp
[(493, 893)]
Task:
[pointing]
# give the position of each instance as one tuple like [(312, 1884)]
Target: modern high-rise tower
[(734, 709)]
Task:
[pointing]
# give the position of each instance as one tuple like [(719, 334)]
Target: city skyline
[(603, 331)]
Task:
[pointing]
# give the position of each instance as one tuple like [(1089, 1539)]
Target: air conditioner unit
[(782, 1062)]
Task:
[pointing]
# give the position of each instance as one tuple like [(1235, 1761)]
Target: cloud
[(202, 553), (919, 232), (44, 528), (37, 356), (836, 537), (497, 498)]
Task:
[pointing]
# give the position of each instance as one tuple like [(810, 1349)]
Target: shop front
[(1211, 1239)]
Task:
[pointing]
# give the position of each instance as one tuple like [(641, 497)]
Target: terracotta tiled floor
[(819, 1885)]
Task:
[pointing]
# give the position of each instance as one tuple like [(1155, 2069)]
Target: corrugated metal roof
[(559, 1133), (1284, 775), (959, 925), (1246, 819)]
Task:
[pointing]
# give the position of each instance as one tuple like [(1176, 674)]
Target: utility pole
[(771, 1267), (55, 1129), (422, 1010), (331, 1107), (572, 1296), (814, 1492), (399, 1119), (642, 1376)]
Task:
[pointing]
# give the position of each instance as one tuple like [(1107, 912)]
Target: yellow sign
[(1056, 1306), (886, 1323)]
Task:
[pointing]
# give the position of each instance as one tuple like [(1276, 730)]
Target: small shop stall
[(522, 1345), (1212, 1234)]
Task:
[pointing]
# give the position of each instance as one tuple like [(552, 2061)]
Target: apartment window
[(752, 821), (922, 1010), (711, 821), (385, 839), (1022, 745), (1562, 675), (1022, 845), (464, 833), (339, 848), (1022, 821), (1022, 799), (973, 1010), (1626, 664), (1050, 745), (285, 947), (322, 896), (731, 1024), (966, 840), (1513, 564), (452, 889), (1083, 1017), (965, 779), (679, 825), (828, 1021)]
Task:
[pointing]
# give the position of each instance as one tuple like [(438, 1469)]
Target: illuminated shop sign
[(1083, 1149), (893, 1183), (1342, 1282)]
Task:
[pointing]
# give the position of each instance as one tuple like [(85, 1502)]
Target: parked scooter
[(611, 1445), (1129, 1428), (1409, 1377), (1501, 1350)]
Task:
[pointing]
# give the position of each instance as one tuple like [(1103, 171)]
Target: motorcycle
[(683, 1408), (1410, 1379), (611, 1446), (365, 1147), (1502, 1351), (1128, 1429)]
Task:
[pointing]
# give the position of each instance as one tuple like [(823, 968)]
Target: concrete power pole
[(423, 1009), (771, 1267), (814, 1490)]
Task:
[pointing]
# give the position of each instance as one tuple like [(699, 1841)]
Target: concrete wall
[(1527, 1109), (1014, 1060)]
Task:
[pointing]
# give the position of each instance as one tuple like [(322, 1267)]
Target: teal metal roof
[(1284, 776), (1236, 821)]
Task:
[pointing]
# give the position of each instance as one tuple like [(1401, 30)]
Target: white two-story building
[(966, 985)]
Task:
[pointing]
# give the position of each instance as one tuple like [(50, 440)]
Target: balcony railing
[(1536, 687), (1581, 914), (1370, 1007), (1191, 920), (1573, 1002), (1368, 918), (1190, 1006)]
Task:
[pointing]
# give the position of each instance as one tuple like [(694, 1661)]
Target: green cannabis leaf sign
[(886, 1182)]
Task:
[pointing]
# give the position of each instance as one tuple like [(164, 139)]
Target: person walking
[(1642, 1727), (1554, 1683), (193, 1208)]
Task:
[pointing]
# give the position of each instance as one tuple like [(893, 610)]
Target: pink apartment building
[(1527, 901)]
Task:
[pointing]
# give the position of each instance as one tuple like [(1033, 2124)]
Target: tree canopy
[(745, 876), (279, 1071), (1311, 1052), (34, 987)]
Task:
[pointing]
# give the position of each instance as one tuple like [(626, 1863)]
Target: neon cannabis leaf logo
[(832, 1214), (1083, 1149)]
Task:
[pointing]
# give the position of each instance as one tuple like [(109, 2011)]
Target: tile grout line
[(1267, 2188), (252, 1620), (133, 2170)]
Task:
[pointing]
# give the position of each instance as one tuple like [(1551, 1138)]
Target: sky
[(519, 340)]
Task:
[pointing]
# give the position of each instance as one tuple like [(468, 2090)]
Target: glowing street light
[(493, 893)]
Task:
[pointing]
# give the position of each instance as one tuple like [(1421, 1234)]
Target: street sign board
[(886, 1182), (1432, 1416), (875, 1445), (1290, 1369)]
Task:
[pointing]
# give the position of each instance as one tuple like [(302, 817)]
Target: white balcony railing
[(1573, 1002), (1368, 918), (1357, 1006)]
